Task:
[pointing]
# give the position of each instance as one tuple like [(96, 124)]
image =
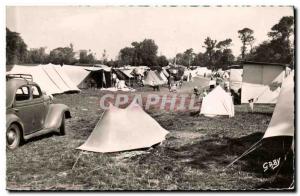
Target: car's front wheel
[(13, 136)]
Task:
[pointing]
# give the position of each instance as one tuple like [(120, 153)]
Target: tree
[(16, 48), (104, 57), (223, 56), (126, 55), (162, 61), (279, 49), (141, 53), (62, 55), (225, 44), (37, 56), (147, 52), (210, 46), (200, 60), (186, 58), (86, 57), (283, 30), (247, 38)]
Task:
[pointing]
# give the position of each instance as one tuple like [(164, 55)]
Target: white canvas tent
[(57, 75), (217, 102), (165, 72), (236, 78), (261, 82), (124, 129), (163, 77), (202, 71), (77, 74), (282, 121), (152, 79), (66, 78), (50, 79)]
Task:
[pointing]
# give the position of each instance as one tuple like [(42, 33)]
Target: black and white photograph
[(150, 98)]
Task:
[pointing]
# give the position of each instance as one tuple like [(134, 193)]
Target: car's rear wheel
[(62, 128), (13, 136)]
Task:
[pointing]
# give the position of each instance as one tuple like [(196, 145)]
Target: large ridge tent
[(98, 78), (77, 74), (152, 79), (47, 77), (262, 82), (58, 76), (282, 122), (217, 102), (66, 78), (124, 129), (86, 77)]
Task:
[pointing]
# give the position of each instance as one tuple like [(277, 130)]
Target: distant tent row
[(98, 77), (51, 78)]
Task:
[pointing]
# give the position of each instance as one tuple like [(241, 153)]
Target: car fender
[(12, 118), (55, 114)]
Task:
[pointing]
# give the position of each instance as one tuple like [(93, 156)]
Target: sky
[(174, 29)]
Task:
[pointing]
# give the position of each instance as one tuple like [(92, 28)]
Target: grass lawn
[(193, 156)]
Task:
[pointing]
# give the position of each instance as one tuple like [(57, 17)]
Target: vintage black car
[(30, 112)]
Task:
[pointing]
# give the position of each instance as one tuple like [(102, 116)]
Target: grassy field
[(193, 156)]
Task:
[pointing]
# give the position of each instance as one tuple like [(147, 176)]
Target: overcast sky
[(174, 29)]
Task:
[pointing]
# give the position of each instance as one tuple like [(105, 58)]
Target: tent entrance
[(98, 79)]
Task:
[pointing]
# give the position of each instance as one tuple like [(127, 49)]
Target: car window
[(23, 94), (36, 93)]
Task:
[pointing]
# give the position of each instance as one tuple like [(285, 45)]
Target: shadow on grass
[(41, 137), (219, 152)]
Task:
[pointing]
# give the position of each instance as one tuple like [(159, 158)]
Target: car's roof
[(11, 87)]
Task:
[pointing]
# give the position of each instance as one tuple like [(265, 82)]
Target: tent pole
[(253, 147)]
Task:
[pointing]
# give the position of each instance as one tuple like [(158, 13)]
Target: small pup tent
[(124, 129), (152, 79), (262, 82), (217, 102)]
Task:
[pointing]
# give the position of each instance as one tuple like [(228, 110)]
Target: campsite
[(141, 98), (193, 156)]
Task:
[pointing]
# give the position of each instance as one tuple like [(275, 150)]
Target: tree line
[(218, 54)]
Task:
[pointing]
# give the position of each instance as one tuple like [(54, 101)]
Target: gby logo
[(168, 102)]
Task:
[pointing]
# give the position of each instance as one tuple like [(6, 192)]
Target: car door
[(23, 108), (38, 107)]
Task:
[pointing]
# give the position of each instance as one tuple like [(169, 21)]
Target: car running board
[(39, 133)]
